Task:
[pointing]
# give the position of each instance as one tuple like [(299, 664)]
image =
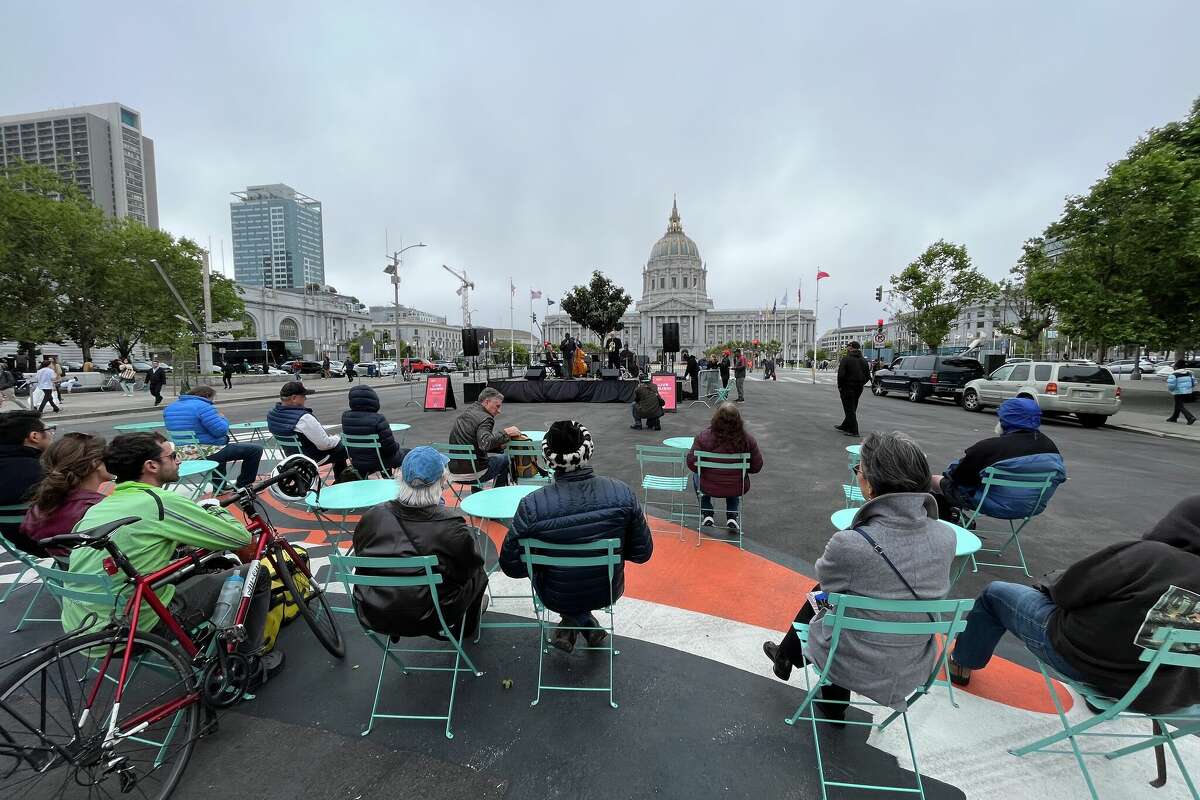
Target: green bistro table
[(535, 436), (854, 453), (139, 426), (966, 544), (195, 473), (680, 442), (255, 431), (341, 500), (498, 504)]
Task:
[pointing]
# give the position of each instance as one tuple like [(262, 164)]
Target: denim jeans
[(732, 504), (248, 454), (497, 468), (1022, 611)]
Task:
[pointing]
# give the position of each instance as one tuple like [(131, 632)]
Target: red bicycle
[(117, 710)]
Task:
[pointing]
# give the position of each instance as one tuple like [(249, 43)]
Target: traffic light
[(879, 325), (879, 293)]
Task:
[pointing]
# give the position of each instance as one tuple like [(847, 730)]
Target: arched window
[(249, 328), (289, 331)]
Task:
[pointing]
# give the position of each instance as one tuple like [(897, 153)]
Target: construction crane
[(464, 291)]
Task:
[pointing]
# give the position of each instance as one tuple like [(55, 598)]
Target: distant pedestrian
[(348, 368), (156, 377), (739, 374), (852, 375), (723, 367), (126, 375), (227, 374), (58, 376), (9, 379), (1181, 384), (769, 368), (46, 383), (325, 367), (691, 371)]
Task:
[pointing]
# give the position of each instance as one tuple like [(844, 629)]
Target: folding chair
[(854, 496), (737, 462), (933, 623), (529, 449), (460, 453), (12, 515), (368, 441), (1165, 729), (678, 510), (347, 570), (290, 446), (993, 478), (600, 553)]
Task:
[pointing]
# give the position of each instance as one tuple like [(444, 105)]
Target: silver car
[(1083, 389), (1124, 366)]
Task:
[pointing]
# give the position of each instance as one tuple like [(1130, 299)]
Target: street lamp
[(393, 269)]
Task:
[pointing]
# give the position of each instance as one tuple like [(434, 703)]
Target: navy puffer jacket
[(579, 507), (363, 419)]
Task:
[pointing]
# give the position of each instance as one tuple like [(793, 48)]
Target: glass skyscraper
[(278, 240)]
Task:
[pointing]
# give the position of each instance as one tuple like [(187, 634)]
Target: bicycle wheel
[(314, 608), (52, 740)]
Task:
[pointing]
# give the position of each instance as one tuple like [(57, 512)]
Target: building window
[(662, 283), (289, 331)]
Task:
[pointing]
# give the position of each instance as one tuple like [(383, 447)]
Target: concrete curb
[(1152, 432)]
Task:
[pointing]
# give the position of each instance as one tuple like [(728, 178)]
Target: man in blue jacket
[(195, 412), (579, 507)]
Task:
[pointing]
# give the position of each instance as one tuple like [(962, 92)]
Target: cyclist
[(142, 463)]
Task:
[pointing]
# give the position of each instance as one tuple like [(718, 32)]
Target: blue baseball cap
[(423, 466)]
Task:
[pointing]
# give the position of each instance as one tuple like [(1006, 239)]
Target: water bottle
[(227, 601)]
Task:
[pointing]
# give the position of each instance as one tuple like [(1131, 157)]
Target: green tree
[(597, 307), (1032, 315), (520, 353), (935, 287)]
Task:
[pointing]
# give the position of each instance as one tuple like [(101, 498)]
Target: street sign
[(880, 338), (226, 327)]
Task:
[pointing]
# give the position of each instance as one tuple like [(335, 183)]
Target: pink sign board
[(666, 390)]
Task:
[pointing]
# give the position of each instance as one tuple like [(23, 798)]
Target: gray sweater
[(884, 667)]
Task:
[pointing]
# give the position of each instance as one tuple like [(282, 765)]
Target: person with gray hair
[(476, 426), (417, 523), (895, 549)]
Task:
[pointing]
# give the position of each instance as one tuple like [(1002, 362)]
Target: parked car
[(1166, 369), (1124, 366), (1083, 389), (927, 376), (419, 365), (144, 366), (445, 366)]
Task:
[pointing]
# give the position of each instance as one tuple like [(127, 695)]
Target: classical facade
[(675, 289), (313, 322), (429, 334)]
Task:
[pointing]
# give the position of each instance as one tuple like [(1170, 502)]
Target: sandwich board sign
[(439, 393), (665, 384)]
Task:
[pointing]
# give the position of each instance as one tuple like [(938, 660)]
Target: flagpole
[(816, 307), (532, 350), (512, 332)]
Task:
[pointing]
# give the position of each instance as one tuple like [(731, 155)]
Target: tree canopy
[(935, 287), (1031, 314), (598, 306)]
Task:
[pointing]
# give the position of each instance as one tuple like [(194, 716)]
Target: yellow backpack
[(283, 608)]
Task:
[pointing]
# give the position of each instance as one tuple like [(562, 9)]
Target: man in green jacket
[(142, 463)]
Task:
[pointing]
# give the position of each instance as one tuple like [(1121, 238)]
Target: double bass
[(579, 368)]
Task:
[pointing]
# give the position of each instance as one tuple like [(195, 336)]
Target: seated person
[(75, 472), (363, 419), (417, 524), (196, 413), (1019, 447), (23, 438), (290, 417), (726, 433), (141, 464), (1084, 623), (579, 507), (901, 518), (647, 405), (476, 426)]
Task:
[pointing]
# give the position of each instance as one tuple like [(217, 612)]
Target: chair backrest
[(13, 515), (346, 569), (458, 452), (96, 590), (854, 495), (600, 553), (183, 438), (1026, 482), (938, 617), (1175, 647), (367, 441), (739, 462), (288, 445), (658, 454)]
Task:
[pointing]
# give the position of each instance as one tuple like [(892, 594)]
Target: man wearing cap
[(578, 508), (290, 417), (1020, 447), (417, 523)]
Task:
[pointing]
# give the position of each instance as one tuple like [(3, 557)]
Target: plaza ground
[(700, 714)]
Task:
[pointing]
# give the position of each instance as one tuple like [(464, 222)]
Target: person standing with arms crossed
[(853, 374)]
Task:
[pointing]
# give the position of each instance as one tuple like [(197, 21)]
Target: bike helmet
[(300, 475)]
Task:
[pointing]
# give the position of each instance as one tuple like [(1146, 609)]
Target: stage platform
[(553, 390)]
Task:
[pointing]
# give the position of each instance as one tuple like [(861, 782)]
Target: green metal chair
[(184, 440), (679, 509), (531, 449), (943, 619), (991, 478), (368, 441), (460, 453), (290, 446), (94, 590), (854, 496), (600, 553), (12, 515), (737, 462), (1165, 729), (347, 569)]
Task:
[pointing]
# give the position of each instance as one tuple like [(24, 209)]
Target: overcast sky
[(545, 140)]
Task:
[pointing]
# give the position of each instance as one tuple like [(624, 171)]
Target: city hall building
[(675, 289)]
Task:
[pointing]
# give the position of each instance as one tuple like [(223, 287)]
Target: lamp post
[(393, 269)]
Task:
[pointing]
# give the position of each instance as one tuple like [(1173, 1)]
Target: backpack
[(283, 610), (521, 466)]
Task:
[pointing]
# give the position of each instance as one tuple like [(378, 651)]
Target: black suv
[(922, 376)]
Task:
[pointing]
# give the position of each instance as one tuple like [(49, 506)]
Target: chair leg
[(1067, 733), (541, 654), (16, 584), (29, 608)]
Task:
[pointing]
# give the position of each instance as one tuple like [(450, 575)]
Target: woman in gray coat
[(900, 516)]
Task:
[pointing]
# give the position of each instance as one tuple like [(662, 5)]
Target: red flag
[(822, 274)]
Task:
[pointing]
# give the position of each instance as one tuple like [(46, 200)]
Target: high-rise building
[(101, 148), (278, 240)]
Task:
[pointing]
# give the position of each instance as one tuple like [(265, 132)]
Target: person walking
[(348, 367), (58, 376), (156, 377), (126, 374), (853, 374), (1181, 384), (227, 374), (46, 383), (325, 367), (9, 380), (739, 374)]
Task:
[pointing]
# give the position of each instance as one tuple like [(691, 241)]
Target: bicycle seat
[(92, 537)]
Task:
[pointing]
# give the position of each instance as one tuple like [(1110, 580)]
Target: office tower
[(277, 238)]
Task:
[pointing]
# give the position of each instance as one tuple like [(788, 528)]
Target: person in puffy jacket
[(647, 405), (417, 524), (579, 507), (726, 433), (363, 419), (1181, 384), (291, 418), (1084, 623), (194, 412), (1020, 447)]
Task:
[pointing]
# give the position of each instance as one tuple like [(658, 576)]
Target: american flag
[(535, 294)]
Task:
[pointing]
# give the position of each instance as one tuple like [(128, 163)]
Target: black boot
[(781, 666)]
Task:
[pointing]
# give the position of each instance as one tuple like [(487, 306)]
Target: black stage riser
[(561, 391)]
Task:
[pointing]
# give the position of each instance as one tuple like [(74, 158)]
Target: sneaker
[(707, 522), (564, 639), (733, 525), (637, 427), (269, 666)]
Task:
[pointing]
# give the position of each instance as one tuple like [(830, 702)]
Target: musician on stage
[(613, 346)]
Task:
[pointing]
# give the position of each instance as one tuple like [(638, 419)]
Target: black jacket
[(853, 371), (395, 531), (155, 378), (1103, 599), (363, 419), (724, 368), (579, 507), (993, 450), (475, 426), (22, 471), (693, 367), (612, 345)]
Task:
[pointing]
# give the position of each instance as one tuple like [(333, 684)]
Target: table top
[(682, 442), (196, 466), (966, 543), (399, 426), (854, 449), (352, 495), (535, 436), (139, 426), (249, 426), (498, 503)]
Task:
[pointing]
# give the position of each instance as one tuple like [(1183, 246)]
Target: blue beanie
[(1020, 413)]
